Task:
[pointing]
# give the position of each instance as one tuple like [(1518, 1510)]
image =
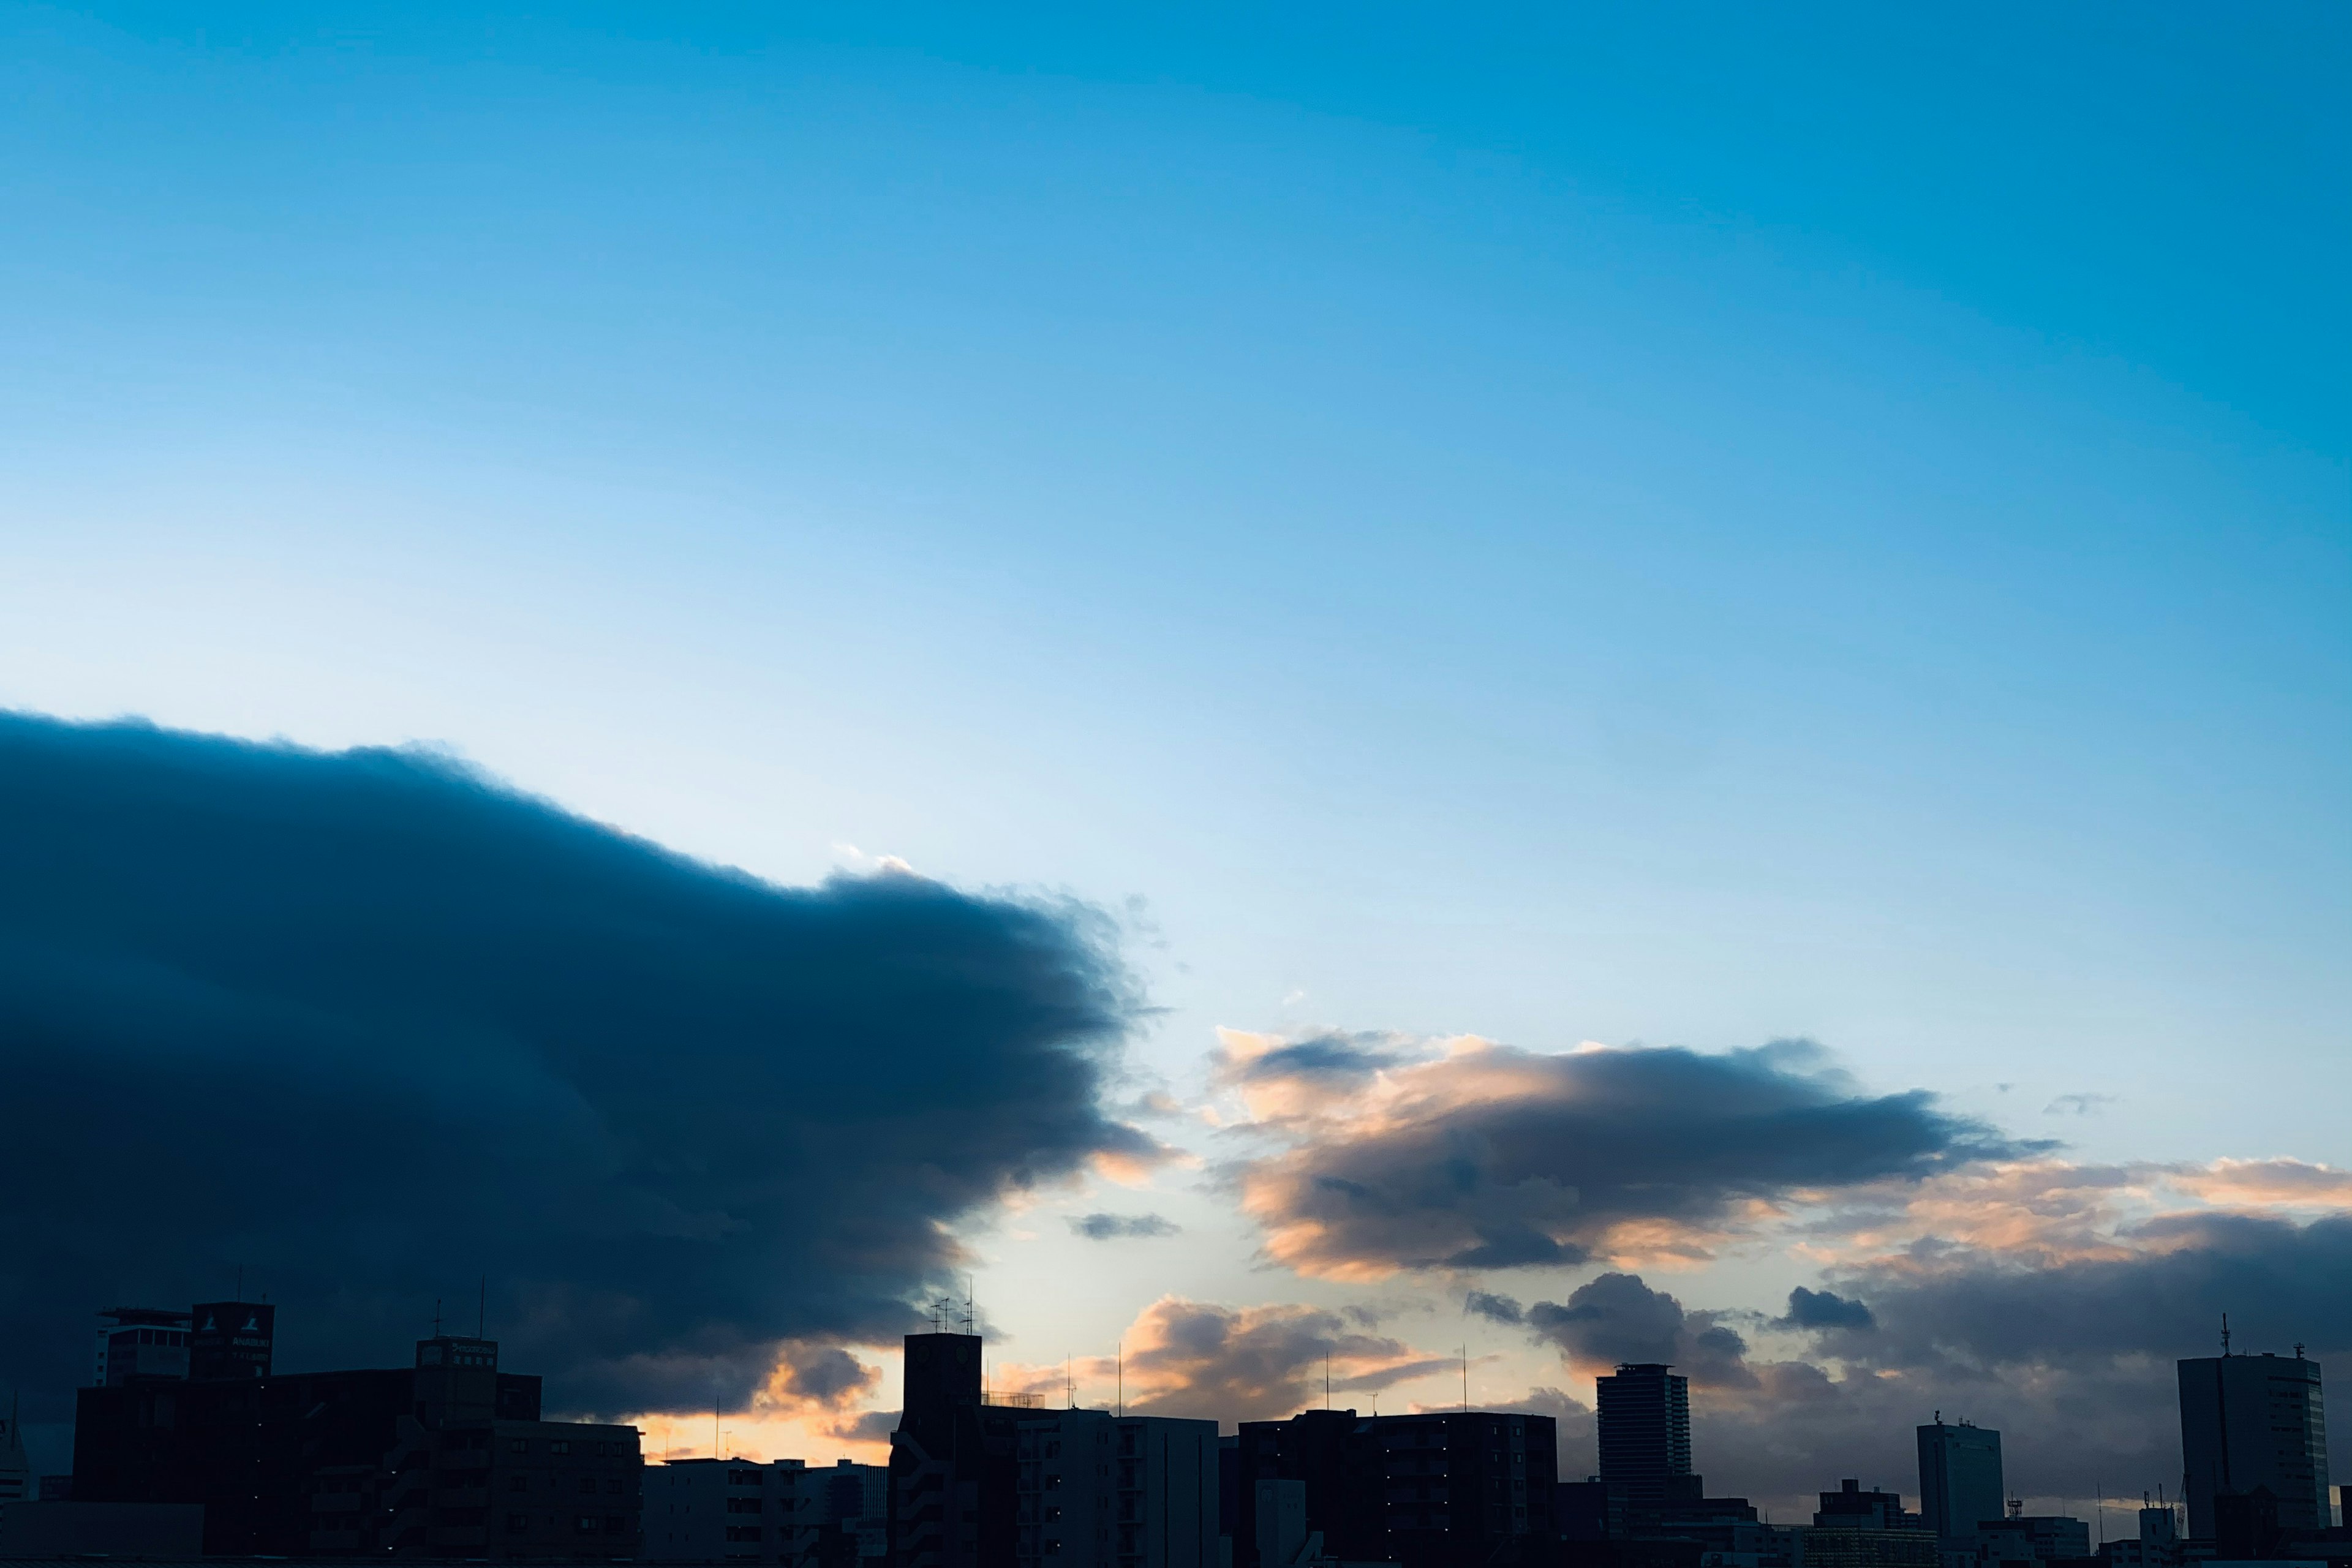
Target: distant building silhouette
[(445, 1458), (853, 1518), (2249, 1422), (1430, 1490), (1960, 1481), (2032, 1538), (16, 1484), (1851, 1508), (1857, 1528), (1646, 1446)]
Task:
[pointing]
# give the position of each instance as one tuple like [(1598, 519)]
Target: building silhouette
[(445, 1458), (1101, 1490), (1960, 1482), (16, 1483), (731, 1510), (953, 1475), (2249, 1423), (1433, 1490), (1645, 1420)]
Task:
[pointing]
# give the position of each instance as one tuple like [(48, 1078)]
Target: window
[(560, 1446), (588, 1485), (587, 1524), (746, 1479), (518, 1522), (742, 1532), (613, 1489), (738, 1504), (518, 1483), (518, 1446)]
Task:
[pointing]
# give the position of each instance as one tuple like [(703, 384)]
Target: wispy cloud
[(1115, 1226)]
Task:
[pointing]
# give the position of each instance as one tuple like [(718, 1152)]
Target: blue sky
[(1683, 528)]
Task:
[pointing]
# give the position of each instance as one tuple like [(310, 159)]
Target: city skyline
[(292, 1463), (1374, 708)]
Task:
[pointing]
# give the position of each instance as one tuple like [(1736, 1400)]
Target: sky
[(1536, 685)]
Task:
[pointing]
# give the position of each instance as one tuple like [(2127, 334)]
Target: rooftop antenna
[(1466, 1380), (482, 1311), (2225, 1333), (436, 1316), (1121, 1364), (1326, 1378)]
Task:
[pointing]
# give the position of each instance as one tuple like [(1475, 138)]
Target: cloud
[(1495, 1309), (2070, 1355), (1112, 1226), (822, 1376), (2077, 1104), (1617, 1318), (2280, 1282), (1488, 1157), (1253, 1364), (1824, 1309), (370, 1027)]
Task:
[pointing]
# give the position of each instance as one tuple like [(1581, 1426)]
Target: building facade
[(1429, 1490), (229, 1340), (140, 1341), (732, 1511), (1644, 1429), (1960, 1483), (2251, 1422), (1099, 1490)]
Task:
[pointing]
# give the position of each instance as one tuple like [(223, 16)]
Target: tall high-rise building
[(2249, 1422), (1959, 1477), (1644, 1431)]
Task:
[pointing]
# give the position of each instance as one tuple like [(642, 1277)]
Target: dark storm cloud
[(370, 1027), (1617, 1318), (1497, 1158), (1115, 1226), (2280, 1282), (1824, 1309)]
